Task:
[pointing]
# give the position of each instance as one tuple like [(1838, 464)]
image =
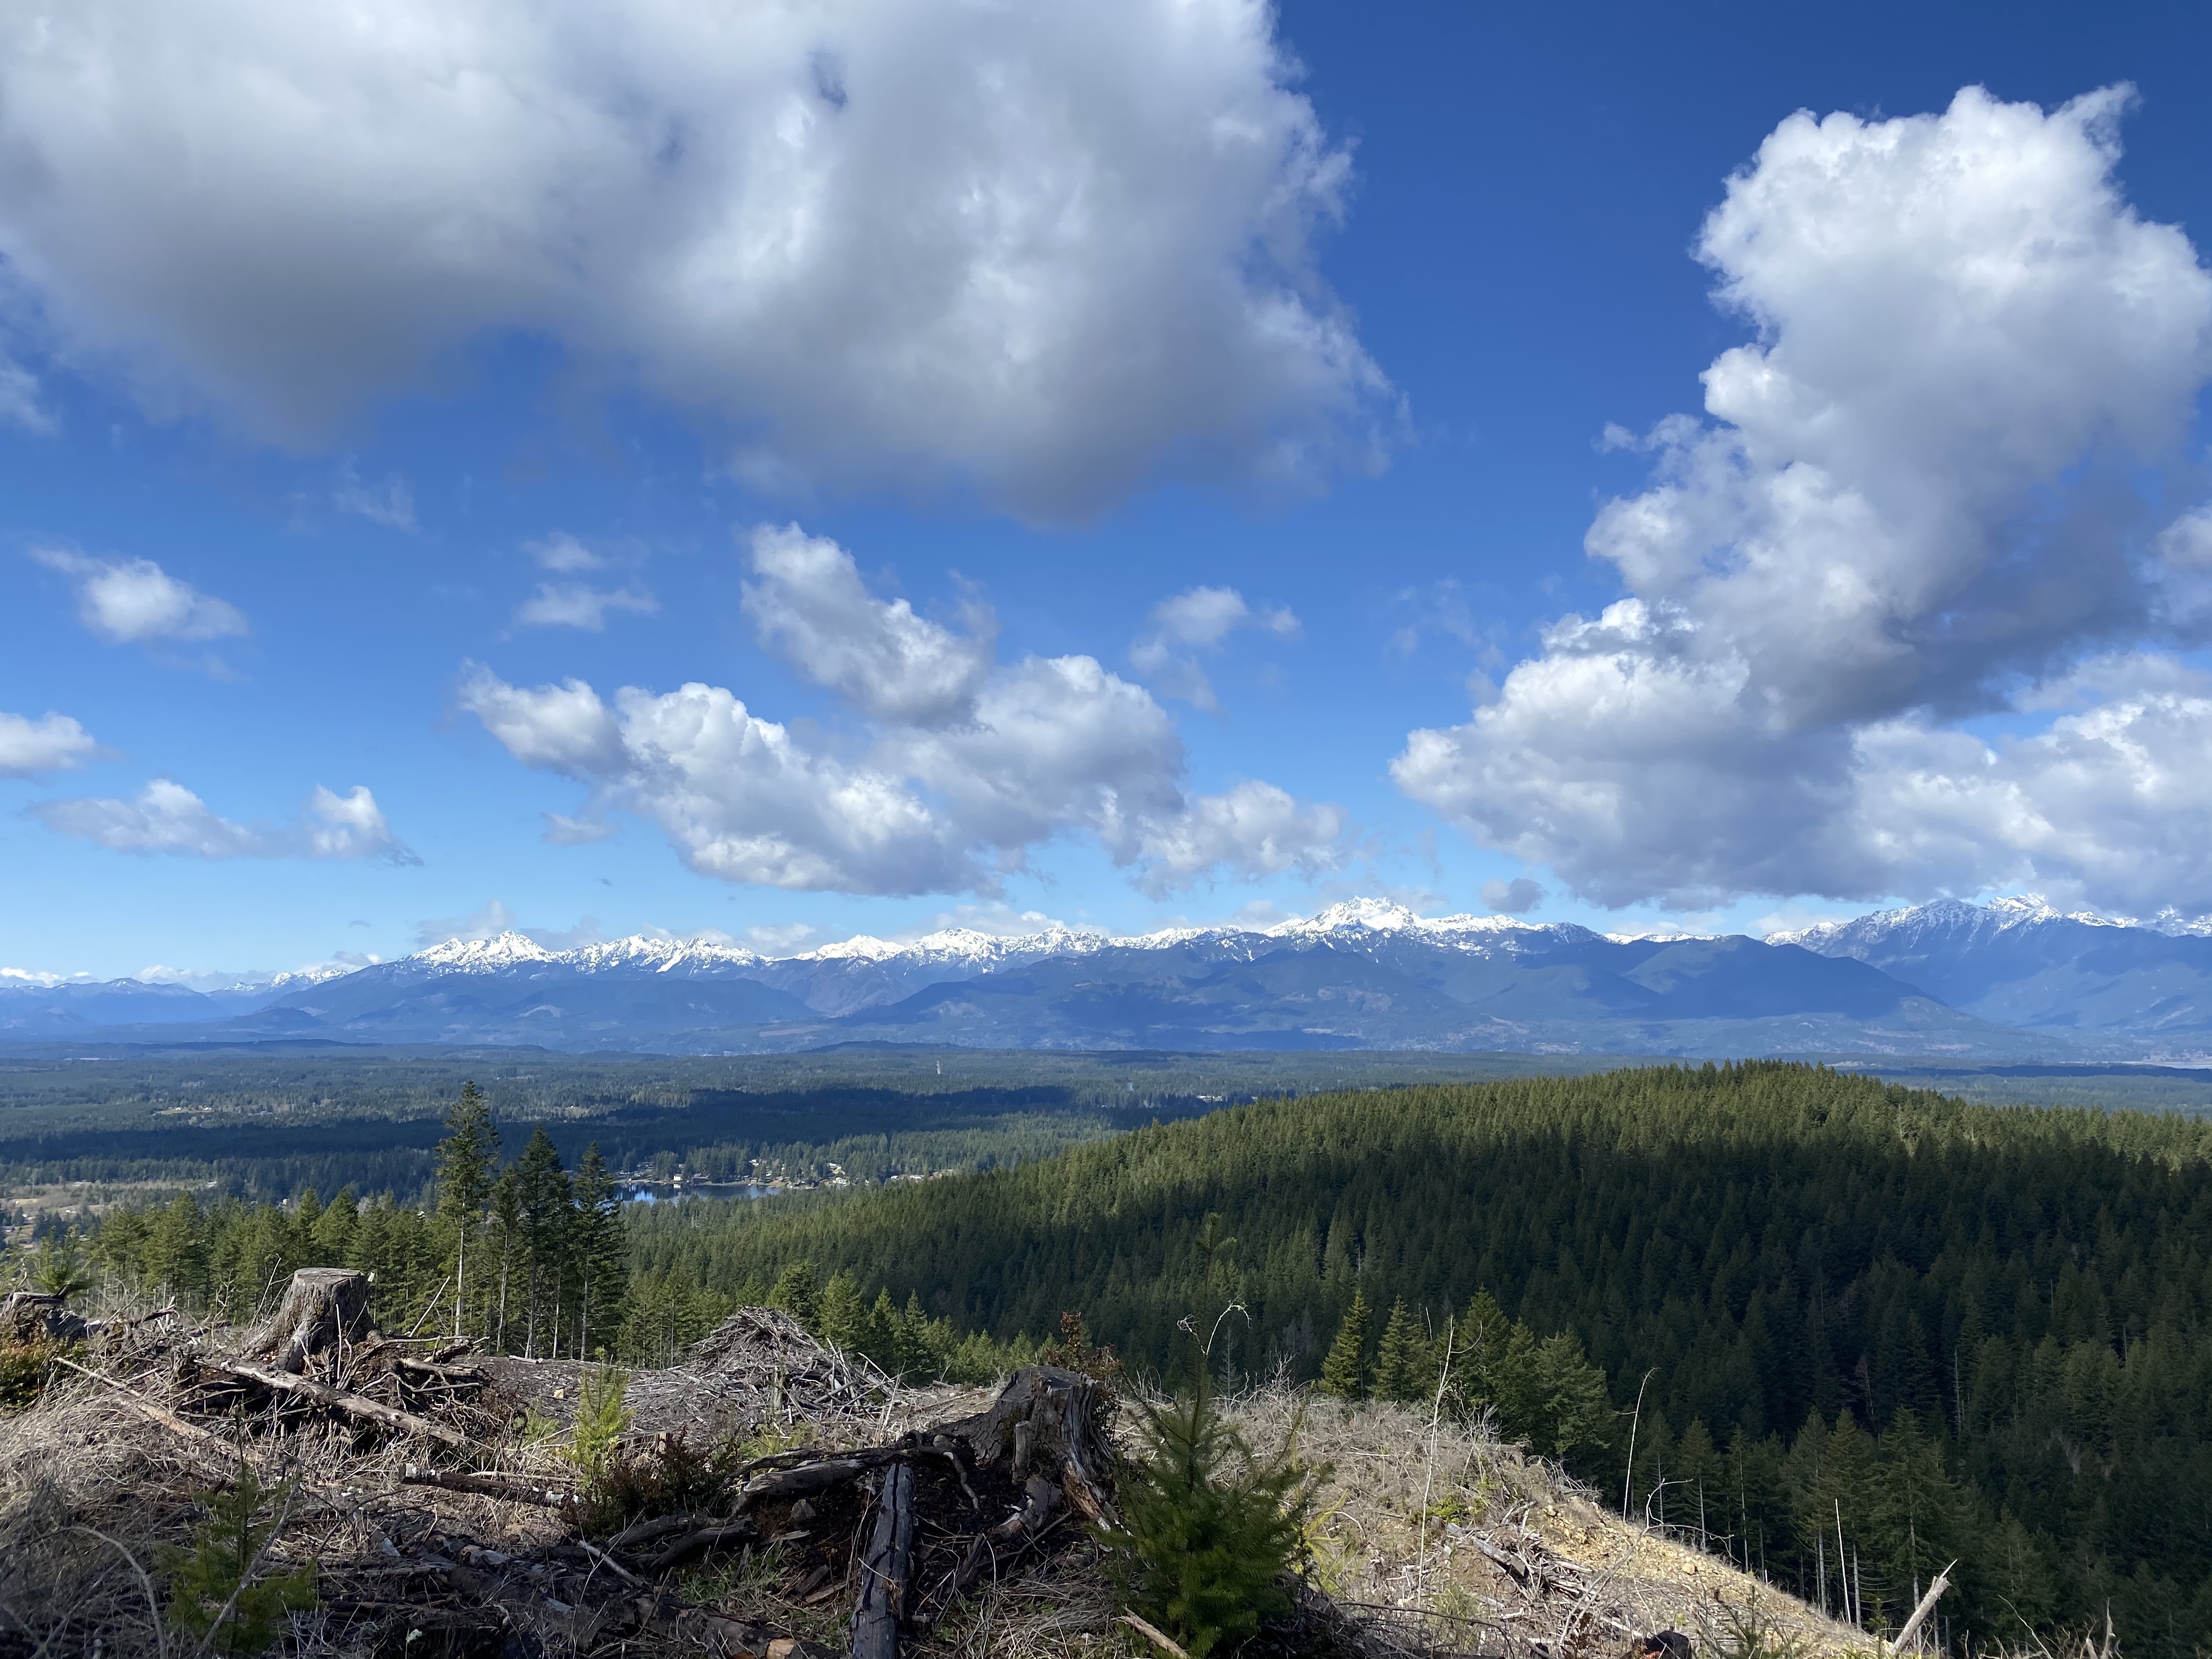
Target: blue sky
[(1227, 396)]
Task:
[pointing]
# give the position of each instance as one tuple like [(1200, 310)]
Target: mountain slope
[(1360, 975), (2020, 962), (2013, 979)]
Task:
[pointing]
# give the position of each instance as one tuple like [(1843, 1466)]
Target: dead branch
[(346, 1405), (504, 1488), (739, 1531)]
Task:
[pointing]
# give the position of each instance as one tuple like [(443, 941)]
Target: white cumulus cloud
[(54, 744), (135, 599), (963, 766), (808, 603), (1047, 251), (165, 817), (1916, 501)]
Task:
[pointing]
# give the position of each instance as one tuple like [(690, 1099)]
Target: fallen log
[(209, 1444), (885, 1569), (807, 1480), (504, 1488), (354, 1405), (644, 1531), (453, 1375)]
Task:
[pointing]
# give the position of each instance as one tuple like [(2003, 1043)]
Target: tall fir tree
[(1344, 1372), (467, 1159), (798, 1293), (544, 1214), (842, 1320), (1405, 1363), (601, 1253)]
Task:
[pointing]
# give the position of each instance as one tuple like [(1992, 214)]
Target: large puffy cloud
[(135, 599), (1046, 249), (964, 764), (54, 743), (1920, 496), (808, 603), (165, 817)]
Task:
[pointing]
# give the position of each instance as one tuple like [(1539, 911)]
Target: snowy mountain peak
[(863, 947), (661, 955), (1938, 918), (483, 955), (1371, 915)]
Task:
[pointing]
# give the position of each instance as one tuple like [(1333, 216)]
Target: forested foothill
[(1840, 1331), (1969, 1332)]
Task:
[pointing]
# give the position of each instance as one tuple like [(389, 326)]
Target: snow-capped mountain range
[(2011, 978)]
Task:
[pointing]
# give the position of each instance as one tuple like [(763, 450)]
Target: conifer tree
[(1479, 1350), (916, 1354), (1210, 1530), (466, 1159), (503, 1241), (1344, 1372), (542, 1203), (1405, 1365), (602, 1255), (223, 1590), (796, 1292), (842, 1318)]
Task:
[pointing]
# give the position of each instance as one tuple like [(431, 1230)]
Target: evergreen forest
[(1841, 1331)]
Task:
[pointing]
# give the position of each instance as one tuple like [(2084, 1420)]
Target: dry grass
[(1452, 1541), (1437, 1538)]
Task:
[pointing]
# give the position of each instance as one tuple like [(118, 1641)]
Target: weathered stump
[(321, 1306), (1049, 1420), (38, 1316)]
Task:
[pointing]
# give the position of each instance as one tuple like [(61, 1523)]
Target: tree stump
[(37, 1317), (1051, 1420), (321, 1306)]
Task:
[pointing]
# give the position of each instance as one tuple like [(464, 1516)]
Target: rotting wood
[(949, 1449), (1011, 1536), (38, 1315), (346, 1405), (885, 1569), (504, 1488), (805, 1481)]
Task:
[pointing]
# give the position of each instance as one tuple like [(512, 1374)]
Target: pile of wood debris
[(805, 1506), (437, 1530)]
